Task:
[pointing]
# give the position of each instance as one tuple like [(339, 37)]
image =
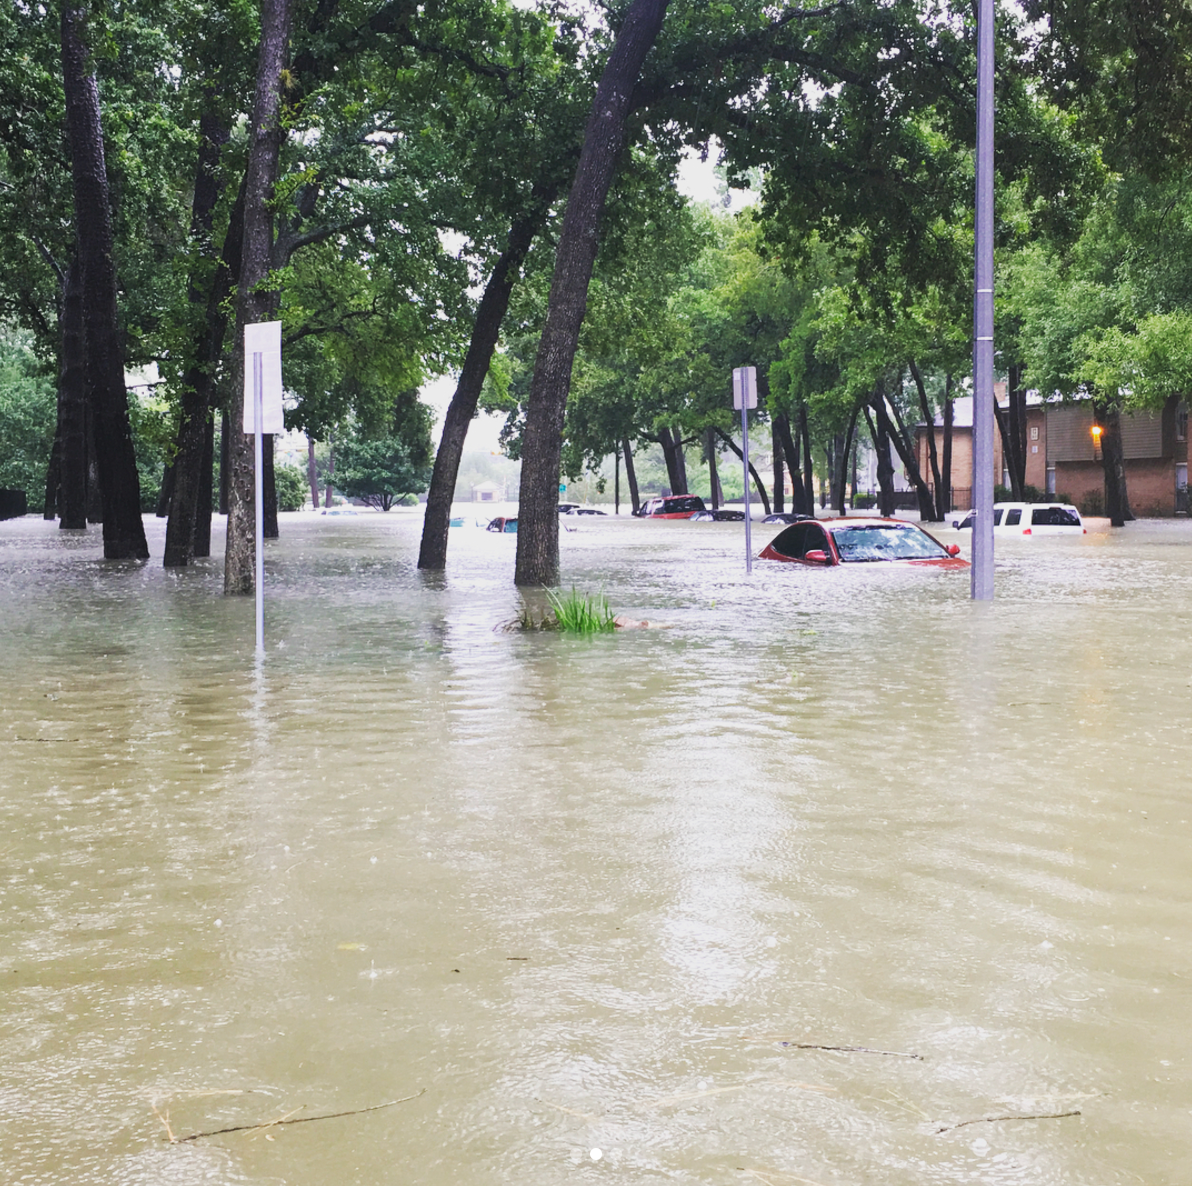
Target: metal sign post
[(262, 413), (982, 542), (745, 397)]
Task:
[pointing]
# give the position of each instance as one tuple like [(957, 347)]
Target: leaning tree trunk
[(790, 449), (943, 495), (542, 443), (757, 481), (929, 425), (70, 440), (123, 529), (714, 490), (885, 468), (485, 331), (631, 475), (898, 438), (254, 303)]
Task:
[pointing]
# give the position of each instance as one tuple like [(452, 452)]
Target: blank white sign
[(745, 387), (264, 338)]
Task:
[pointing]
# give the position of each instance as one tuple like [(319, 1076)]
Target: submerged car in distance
[(828, 542), (720, 515), (786, 517), (502, 524), (1030, 518), (673, 506)]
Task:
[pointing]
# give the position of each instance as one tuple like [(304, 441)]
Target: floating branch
[(215, 1132), (852, 1050), (994, 1119)]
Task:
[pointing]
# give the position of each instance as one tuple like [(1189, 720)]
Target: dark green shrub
[(292, 489)]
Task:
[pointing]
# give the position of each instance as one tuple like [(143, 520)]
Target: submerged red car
[(858, 541)]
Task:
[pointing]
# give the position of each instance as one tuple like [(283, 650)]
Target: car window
[(1054, 517), (997, 517), (1013, 516), (885, 543), (674, 505), (791, 541), (814, 540)]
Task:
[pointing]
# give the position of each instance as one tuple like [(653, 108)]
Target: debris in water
[(995, 1119)]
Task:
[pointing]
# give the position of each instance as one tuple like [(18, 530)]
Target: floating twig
[(994, 1119), (216, 1132), (852, 1050)]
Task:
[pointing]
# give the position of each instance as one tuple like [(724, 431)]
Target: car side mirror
[(816, 556), (953, 549)]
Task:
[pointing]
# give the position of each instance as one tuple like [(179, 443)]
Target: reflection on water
[(588, 895)]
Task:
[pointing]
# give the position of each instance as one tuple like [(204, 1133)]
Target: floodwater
[(582, 899)]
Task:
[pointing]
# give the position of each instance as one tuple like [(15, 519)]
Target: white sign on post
[(744, 398), (264, 338), (745, 388), (262, 413)]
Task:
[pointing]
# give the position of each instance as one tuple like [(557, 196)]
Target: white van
[(1030, 518)]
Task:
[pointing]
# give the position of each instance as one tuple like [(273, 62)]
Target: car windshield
[(885, 543)]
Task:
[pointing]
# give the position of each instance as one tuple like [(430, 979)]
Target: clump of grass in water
[(581, 613)]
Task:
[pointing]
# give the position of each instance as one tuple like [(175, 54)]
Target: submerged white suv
[(1030, 518)]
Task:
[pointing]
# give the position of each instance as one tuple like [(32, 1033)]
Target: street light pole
[(982, 570)]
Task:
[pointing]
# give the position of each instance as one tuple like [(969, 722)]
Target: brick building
[(1062, 459)]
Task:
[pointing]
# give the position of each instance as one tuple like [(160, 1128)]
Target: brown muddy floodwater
[(582, 899)]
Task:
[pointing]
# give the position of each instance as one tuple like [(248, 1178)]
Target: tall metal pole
[(982, 540), (258, 413), (745, 464)]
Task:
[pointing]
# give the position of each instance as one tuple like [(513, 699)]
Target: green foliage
[(581, 613), (28, 414), (292, 487), (381, 470)]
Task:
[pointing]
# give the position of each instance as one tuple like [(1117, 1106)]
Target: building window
[(1181, 423), (1034, 432), (1051, 480)]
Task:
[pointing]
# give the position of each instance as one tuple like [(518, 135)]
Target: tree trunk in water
[(269, 478), (842, 460), (1117, 501), (779, 476), (224, 438), (604, 139), (932, 455), (199, 380), (808, 476), (943, 502), (630, 475), (94, 488), (761, 489), (49, 508), (312, 476), (906, 456), (885, 468), (123, 529), (202, 529), (676, 471), (253, 303), (790, 449), (330, 472), (717, 494), (71, 437), (485, 332), (166, 494)]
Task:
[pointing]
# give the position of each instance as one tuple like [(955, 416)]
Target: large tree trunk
[(676, 467), (254, 303), (225, 436), (1011, 423), (165, 496), (1117, 501), (49, 508), (485, 332), (199, 380), (71, 437), (123, 529), (269, 478), (604, 139), (842, 461), (631, 475), (906, 454)]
